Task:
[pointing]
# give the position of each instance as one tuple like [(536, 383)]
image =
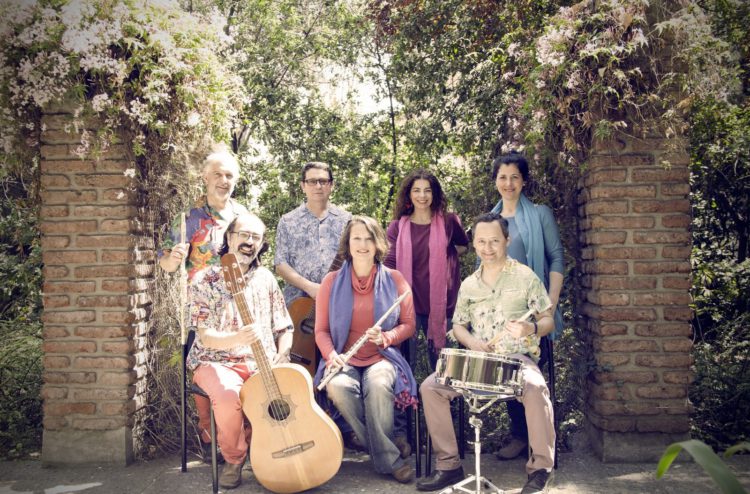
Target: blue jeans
[(364, 396)]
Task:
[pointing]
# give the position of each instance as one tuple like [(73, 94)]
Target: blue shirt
[(308, 244)]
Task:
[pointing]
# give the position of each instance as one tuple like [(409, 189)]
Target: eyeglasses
[(312, 182), (245, 236)]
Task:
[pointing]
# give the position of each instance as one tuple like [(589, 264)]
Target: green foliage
[(707, 459)]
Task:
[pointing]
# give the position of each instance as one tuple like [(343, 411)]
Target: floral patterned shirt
[(204, 230), (212, 306), (488, 308), (309, 244)]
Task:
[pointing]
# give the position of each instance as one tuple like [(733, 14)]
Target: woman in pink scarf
[(425, 244)]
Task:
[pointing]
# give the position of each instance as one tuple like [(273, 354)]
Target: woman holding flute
[(371, 379)]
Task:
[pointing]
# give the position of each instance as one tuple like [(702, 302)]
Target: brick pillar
[(635, 217), (95, 304)]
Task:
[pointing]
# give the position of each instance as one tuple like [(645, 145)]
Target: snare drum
[(469, 369)]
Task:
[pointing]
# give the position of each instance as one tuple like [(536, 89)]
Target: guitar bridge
[(293, 450)]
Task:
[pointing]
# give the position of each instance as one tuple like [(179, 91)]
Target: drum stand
[(481, 484)]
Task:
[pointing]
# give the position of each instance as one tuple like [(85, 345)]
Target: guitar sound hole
[(279, 410)]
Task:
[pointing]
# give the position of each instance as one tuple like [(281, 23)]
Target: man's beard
[(246, 254)]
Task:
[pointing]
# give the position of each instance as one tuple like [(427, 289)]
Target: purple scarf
[(340, 318)]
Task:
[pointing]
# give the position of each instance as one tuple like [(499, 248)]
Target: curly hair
[(373, 228), (404, 207)]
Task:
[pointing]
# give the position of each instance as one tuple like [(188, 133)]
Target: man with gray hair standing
[(205, 225)]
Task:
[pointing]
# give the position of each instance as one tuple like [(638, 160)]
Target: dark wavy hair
[(373, 228), (512, 158), (403, 202)]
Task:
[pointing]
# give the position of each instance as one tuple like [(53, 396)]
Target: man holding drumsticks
[(492, 300)]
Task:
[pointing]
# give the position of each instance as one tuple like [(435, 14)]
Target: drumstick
[(332, 371), (494, 340)]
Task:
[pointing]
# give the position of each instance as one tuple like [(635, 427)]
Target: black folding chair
[(196, 390)]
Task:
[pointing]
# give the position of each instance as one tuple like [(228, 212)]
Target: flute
[(332, 371)]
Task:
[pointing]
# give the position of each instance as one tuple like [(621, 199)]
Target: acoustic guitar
[(302, 312), (295, 446)]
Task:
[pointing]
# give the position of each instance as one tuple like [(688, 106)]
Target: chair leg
[(214, 462)]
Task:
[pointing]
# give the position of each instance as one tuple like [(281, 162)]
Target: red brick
[(659, 391), (101, 180), (683, 345), (663, 329), (604, 175), (56, 151), (116, 226), (676, 221), (611, 424), (117, 212), (144, 269), (120, 195), (625, 253), (678, 314), (664, 360), (608, 298), (120, 317), (648, 144), (621, 160), (103, 362), (69, 286), (50, 197), (121, 347), (69, 347), (622, 191), (56, 362), (605, 267), (678, 377), (55, 181), (604, 238), (661, 237), (100, 424), (673, 424), (625, 346), (606, 207), (69, 377), (68, 226), (51, 332), (117, 378), (676, 158), (610, 393), (115, 285), (50, 242), (54, 272), (123, 270), (69, 408), (603, 147), (53, 211), (109, 409), (60, 137), (637, 377), (603, 329), (623, 283), (612, 360), (54, 423), (675, 189), (662, 206), (69, 257), (682, 252), (70, 317), (103, 241), (662, 298), (102, 332), (622, 222), (619, 314), (103, 301), (643, 267), (626, 408), (99, 394), (85, 166), (56, 301), (674, 174), (54, 393)]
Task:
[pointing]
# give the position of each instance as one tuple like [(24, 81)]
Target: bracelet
[(536, 328)]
